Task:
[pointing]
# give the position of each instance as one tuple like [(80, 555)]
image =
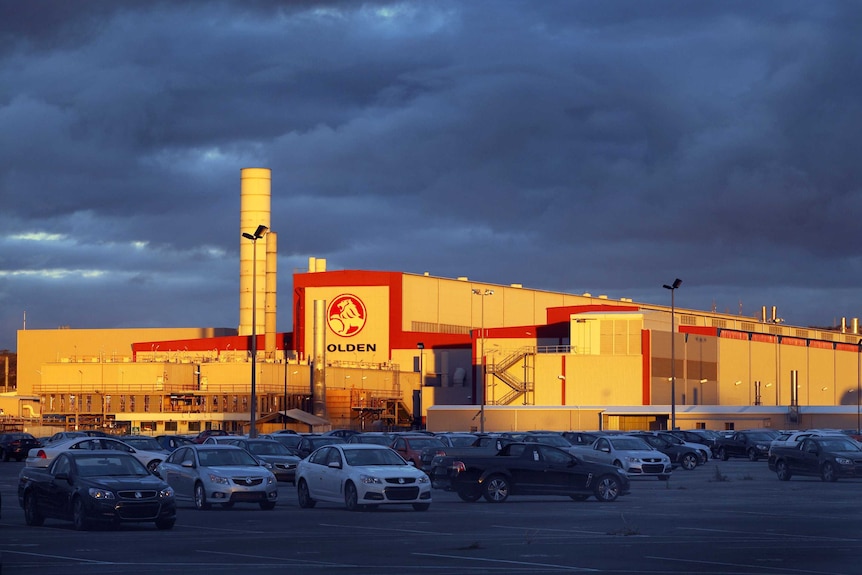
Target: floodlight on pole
[(482, 293), (673, 287), (258, 234)]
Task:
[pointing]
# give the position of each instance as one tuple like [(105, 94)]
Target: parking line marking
[(353, 528), (772, 534), (49, 556), (279, 559), (507, 561), (522, 528), (738, 565)]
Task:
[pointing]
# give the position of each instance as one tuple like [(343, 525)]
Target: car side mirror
[(63, 476), (188, 463), (334, 465)]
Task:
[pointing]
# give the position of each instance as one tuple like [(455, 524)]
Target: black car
[(309, 443), (85, 487), (680, 454), (16, 445), (527, 469)]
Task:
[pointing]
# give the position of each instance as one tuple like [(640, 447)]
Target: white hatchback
[(360, 476)]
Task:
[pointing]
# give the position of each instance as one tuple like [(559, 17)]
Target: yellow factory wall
[(37, 347)]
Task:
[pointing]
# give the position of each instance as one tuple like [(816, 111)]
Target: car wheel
[(607, 489), (421, 506), (752, 454), (579, 497), (827, 472), (782, 471), (267, 505), (305, 500), (689, 461), (201, 497), (79, 515), (722, 453), (31, 511), (469, 495), (496, 489), (151, 466), (164, 524), (351, 497)]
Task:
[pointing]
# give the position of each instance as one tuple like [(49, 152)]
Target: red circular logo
[(346, 315)]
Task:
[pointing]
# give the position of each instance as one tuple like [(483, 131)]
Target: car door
[(562, 474), (313, 473), (808, 458), (57, 495), (332, 474), (182, 478)]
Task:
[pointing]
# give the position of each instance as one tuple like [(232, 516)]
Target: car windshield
[(761, 437), (222, 457), (462, 440), (109, 466), (557, 440), (267, 448), (375, 439), (145, 443), (363, 457), (630, 443), (839, 445)]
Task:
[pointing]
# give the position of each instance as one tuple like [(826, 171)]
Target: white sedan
[(43, 456), (360, 475)]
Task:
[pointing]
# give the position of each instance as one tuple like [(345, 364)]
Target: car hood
[(234, 470), (390, 470), (279, 458), (137, 482), (642, 454)]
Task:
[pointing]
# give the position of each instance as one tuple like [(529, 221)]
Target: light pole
[(673, 287), (859, 388), (417, 401), (482, 294), (258, 233)]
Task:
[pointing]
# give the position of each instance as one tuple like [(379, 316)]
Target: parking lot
[(725, 517)]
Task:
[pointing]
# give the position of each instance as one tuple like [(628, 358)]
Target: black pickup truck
[(752, 444), (827, 457), (527, 469), (484, 444)]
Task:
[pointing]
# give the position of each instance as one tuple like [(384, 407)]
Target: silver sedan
[(223, 474)]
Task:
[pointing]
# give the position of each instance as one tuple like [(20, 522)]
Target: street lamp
[(483, 293), (258, 233), (673, 287)]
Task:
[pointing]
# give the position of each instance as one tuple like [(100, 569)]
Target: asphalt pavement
[(731, 517)]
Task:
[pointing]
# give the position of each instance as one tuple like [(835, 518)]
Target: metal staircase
[(516, 388)]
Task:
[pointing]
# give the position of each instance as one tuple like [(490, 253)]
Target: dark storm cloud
[(602, 147)]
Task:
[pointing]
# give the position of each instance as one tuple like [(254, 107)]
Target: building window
[(146, 403), (172, 426)]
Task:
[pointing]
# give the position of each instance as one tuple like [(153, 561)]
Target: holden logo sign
[(346, 315)]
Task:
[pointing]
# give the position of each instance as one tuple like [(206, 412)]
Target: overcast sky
[(604, 147)]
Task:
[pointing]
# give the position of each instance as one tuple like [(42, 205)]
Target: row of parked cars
[(88, 478)]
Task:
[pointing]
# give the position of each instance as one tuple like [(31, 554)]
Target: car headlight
[(633, 459), (843, 461), (369, 479), (267, 465), (762, 447), (166, 493), (423, 479), (271, 479), (219, 479), (101, 494)]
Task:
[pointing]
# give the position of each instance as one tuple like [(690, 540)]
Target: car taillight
[(458, 466), (440, 452), (42, 454)]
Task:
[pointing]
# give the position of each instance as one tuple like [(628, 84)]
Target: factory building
[(386, 349)]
